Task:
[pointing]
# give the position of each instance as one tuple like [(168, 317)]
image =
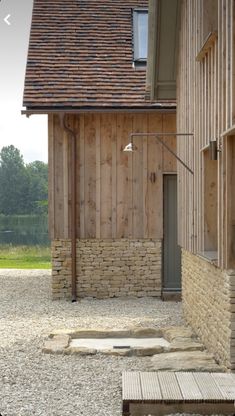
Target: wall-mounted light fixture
[(131, 147), (213, 149)]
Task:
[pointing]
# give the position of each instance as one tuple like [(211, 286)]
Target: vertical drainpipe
[(73, 210)]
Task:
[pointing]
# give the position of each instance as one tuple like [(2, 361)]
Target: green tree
[(14, 182), (38, 187)]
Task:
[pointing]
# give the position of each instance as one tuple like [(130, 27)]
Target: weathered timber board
[(150, 386), (159, 393), (119, 195), (189, 387), (206, 107)]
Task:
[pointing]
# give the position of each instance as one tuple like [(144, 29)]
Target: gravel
[(32, 383)]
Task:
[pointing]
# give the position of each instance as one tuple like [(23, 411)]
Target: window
[(140, 32), (229, 203), (210, 205)]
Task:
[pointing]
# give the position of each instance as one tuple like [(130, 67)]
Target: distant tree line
[(23, 199), (23, 187)]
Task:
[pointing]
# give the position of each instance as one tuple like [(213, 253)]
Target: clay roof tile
[(80, 54)]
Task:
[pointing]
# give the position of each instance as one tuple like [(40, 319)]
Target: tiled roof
[(80, 55)]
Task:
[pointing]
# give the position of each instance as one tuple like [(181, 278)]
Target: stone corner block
[(185, 361), (177, 332), (56, 345)]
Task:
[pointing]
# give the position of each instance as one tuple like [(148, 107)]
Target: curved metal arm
[(156, 135)]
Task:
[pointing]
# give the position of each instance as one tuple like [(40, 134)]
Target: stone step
[(185, 361)]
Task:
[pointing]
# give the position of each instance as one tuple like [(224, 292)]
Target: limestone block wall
[(209, 305), (108, 268)]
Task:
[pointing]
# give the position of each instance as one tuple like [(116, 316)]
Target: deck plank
[(189, 387), (177, 392), (150, 386), (208, 387), (226, 384), (131, 386), (169, 386)]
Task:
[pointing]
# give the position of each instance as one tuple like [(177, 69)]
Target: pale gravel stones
[(36, 384), (32, 383)]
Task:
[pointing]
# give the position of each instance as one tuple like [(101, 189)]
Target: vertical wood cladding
[(206, 107), (119, 195)]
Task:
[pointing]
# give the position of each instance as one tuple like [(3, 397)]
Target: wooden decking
[(160, 393)]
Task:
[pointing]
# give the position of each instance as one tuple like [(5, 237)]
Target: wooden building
[(206, 201), (111, 212)]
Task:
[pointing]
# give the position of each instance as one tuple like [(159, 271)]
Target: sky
[(29, 135)]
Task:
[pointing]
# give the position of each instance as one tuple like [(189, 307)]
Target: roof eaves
[(73, 109)]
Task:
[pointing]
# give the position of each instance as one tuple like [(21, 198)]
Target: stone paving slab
[(108, 333), (177, 332), (110, 343), (185, 361), (56, 345), (140, 342), (185, 344)]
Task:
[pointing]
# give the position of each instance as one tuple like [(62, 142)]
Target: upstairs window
[(140, 34)]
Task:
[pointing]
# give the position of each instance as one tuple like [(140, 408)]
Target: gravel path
[(32, 383)]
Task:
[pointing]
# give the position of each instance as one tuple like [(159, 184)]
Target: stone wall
[(108, 268), (209, 305)]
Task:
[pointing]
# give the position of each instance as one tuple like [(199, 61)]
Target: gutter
[(166, 108), (73, 210)]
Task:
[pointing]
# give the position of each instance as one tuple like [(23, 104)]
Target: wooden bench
[(160, 393)]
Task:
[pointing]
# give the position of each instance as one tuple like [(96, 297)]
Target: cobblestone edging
[(208, 305), (108, 268)]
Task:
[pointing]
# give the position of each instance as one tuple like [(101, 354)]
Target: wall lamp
[(213, 149), (131, 147)]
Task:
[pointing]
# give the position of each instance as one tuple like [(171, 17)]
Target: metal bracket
[(158, 137)]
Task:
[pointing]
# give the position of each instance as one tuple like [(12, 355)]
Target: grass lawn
[(25, 257)]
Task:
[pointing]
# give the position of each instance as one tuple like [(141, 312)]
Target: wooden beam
[(209, 42)]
